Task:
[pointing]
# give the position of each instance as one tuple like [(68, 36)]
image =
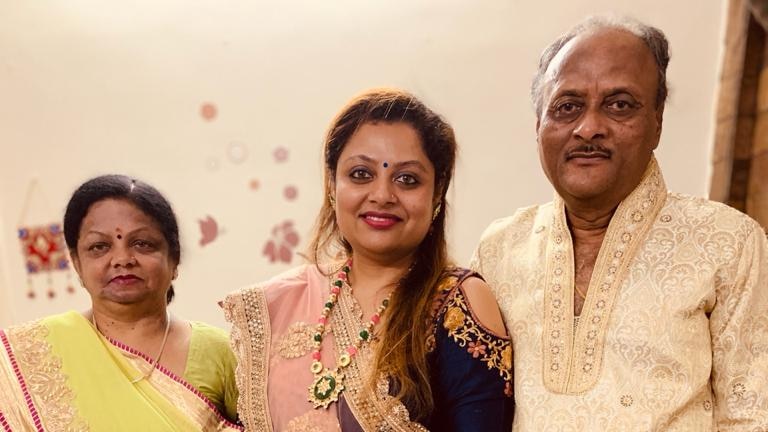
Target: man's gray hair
[(653, 37)]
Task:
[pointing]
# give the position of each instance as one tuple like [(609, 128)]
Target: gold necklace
[(159, 353), (328, 384)]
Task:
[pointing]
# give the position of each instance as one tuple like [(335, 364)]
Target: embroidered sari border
[(175, 378), (375, 410), (22, 382), (250, 338)]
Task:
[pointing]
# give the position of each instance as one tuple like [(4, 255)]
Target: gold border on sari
[(374, 412), (250, 339), (182, 394), (43, 380)]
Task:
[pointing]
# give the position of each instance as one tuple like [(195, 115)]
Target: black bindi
[(119, 236), (386, 164)]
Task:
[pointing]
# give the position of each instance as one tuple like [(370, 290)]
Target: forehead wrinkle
[(578, 67), (606, 91)]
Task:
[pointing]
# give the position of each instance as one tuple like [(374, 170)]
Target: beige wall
[(92, 87)]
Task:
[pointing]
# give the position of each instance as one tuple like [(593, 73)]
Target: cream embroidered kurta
[(674, 331)]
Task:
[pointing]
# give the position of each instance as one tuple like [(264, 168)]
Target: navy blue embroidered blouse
[(471, 366)]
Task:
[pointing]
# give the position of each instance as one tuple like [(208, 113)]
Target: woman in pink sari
[(380, 331)]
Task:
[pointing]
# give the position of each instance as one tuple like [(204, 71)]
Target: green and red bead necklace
[(328, 384)]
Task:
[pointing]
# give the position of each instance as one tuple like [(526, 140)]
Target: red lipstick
[(380, 220)]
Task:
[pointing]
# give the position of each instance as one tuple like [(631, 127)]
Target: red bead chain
[(363, 335)]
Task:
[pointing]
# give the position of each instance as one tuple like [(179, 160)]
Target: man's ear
[(659, 122)]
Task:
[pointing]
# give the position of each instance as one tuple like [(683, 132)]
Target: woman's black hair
[(145, 197)]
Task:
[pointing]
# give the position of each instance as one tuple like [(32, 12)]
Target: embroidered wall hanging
[(43, 250), (44, 253)]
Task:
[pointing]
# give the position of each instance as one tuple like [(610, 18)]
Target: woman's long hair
[(402, 351)]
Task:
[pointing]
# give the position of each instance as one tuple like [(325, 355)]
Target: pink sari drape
[(273, 326)]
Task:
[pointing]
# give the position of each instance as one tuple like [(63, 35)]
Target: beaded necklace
[(328, 384)]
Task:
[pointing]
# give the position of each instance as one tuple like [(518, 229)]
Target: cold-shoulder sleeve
[(471, 365)]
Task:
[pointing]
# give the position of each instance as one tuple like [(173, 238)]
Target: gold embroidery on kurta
[(573, 356), (739, 389), (695, 284)]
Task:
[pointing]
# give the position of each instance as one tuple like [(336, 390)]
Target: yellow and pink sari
[(60, 374)]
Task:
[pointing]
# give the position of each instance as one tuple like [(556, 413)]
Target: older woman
[(127, 364), (380, 332)]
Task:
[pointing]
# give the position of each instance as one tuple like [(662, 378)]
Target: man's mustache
[(588, 150)]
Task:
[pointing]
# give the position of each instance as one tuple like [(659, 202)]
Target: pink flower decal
[(209, 230), (290, 193), (476, 349), (280, 154), (208, 111), (281, 243)]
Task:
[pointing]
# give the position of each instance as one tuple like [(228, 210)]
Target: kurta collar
[(572, 354)]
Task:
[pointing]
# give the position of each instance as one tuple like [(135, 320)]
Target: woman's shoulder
[(468, 320), (466, 288), (289, 280), (286, 287), (211, 365), (209, 344), (483, 305), (63, 323), (286, 280), (209, 334)]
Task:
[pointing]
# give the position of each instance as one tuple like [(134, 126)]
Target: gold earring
[(437, 211), (332, 201)]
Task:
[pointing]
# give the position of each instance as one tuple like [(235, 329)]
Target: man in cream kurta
[(630, 308)]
